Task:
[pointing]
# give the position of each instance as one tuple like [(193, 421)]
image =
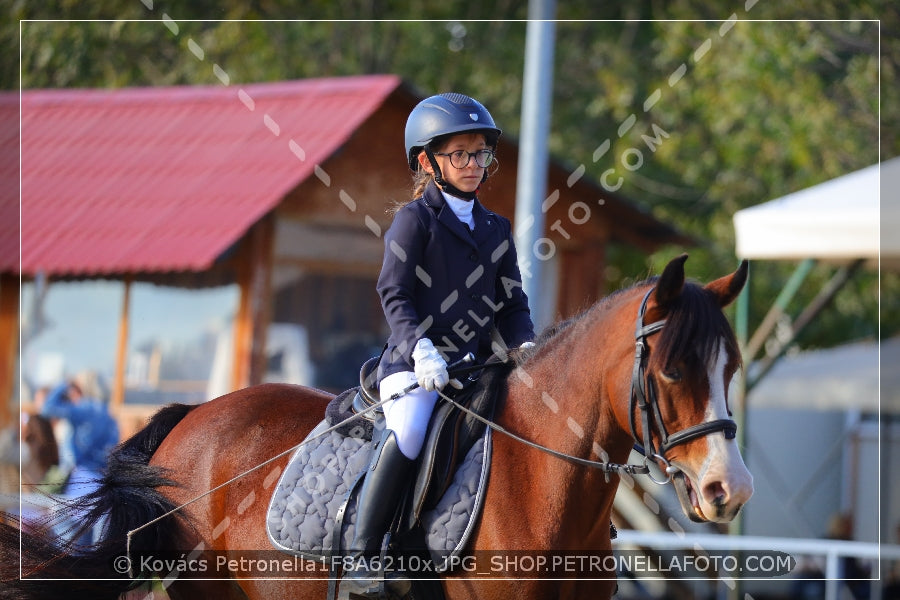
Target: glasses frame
[(469, 155)]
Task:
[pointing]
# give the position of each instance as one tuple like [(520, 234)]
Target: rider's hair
[(420, 181)]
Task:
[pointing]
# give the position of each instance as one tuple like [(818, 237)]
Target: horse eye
[(672, 375)]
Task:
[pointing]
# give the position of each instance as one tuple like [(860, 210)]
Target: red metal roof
[(9, 183), (166, 179)]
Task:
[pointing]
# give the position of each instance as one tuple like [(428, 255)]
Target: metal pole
[(816, 306), (531, 186), (742, 328), (832, 573), (778, 309)]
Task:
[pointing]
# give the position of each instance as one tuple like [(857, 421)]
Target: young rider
[(449, 281)]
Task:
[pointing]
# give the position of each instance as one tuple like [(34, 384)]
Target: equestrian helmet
[(446, 114)]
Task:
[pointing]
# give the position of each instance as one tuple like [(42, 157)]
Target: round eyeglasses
[(460, 158)]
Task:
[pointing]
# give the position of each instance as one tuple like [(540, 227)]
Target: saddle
[(451, 432)]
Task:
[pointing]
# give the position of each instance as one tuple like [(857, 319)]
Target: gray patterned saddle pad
[(314, 492)]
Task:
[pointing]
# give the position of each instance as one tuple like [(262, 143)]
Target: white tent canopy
[(835, 221), (838, 221), (834, 379)]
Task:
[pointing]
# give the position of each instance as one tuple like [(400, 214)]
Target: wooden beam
[(117, 399), (240, 372), (9, 345), (261, 252), (254, 266)]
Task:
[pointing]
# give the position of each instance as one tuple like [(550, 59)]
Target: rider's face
[(468, 178)]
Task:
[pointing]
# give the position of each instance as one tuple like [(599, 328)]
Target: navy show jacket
[(443, 281)]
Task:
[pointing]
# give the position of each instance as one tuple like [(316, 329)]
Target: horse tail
[(127, 497)]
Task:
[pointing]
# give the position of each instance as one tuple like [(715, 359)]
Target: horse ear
[(727, 288), (670, 283)]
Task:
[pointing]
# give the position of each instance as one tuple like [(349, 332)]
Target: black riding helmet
[(438, 117)]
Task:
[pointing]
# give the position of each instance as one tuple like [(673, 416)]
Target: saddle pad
[(314, 490)]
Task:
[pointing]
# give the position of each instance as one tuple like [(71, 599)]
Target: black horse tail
[(126, 499)]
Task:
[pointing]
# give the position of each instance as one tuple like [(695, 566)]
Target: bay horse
[(650, 364)]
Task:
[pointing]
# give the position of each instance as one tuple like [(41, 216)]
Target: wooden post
[(117, 399), (255, 307), (9, 344), (240, 337)]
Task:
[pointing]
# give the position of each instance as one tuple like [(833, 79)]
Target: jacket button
[(473, 257)]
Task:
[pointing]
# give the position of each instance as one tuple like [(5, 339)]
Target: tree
[(761, 108)]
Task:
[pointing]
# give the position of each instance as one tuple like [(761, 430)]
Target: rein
[(642, 395), (605, 466)]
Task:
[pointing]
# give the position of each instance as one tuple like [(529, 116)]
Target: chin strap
[(446, 185)]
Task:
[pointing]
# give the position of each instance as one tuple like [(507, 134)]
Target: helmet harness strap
[(446, 185)]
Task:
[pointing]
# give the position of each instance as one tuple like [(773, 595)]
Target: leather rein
[(643, 397)]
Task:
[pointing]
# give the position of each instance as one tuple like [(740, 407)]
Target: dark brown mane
[(694, 326), (550, 333)]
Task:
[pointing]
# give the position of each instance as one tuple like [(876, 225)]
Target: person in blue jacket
[(94, 433), (449, 281)]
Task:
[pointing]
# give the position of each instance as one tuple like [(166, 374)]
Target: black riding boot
[(382, 488)]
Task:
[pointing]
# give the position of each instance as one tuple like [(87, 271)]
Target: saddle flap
[(451, 434)]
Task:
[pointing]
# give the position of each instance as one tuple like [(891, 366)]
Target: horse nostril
[(715, 494)]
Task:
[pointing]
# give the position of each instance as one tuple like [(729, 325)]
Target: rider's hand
[(430, 367)]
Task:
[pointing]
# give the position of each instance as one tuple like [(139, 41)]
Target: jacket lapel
[(445, 216), (485, 225)]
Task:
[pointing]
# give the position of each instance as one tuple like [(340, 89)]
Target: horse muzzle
[(716, 501)]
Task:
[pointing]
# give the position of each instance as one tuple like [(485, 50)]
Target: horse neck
[(563, 398)]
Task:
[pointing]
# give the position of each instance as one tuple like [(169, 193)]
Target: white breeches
[(408, 415)]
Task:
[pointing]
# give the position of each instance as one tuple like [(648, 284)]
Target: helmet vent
[(457, 98)]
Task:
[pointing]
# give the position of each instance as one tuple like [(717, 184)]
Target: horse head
[(686, 357)]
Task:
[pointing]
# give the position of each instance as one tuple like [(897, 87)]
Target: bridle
[(643, 397)]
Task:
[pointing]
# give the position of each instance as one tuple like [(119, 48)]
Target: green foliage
[(766, 108)]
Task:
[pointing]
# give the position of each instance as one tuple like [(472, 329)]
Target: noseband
[(643, 394)]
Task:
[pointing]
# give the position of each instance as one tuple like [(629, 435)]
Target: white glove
[(430, 366)]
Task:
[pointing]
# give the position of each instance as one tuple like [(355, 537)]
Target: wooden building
[(281, 188)]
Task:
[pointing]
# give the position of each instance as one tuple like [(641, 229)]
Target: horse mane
[(695, 324), (551, 333)]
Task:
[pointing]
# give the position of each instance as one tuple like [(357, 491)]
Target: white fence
[(831, 550)]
